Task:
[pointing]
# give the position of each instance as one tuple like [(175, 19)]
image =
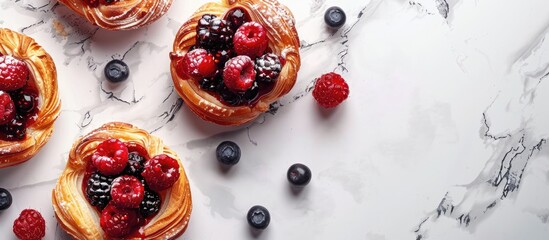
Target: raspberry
[(127, 191), (268, 68), (150, 204), (13, 73), (118, 222), (161, 172), (30, 225), (98, 190), (198, 63), (330, 90), (7, 108), (110, 157), (250, 39), (239, 74)]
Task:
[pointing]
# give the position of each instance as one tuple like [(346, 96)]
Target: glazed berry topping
[(239, 73), (330, 90), (135, 164), (127, 191), (98, 190), (151, 204), (5, 199), (110, 157), (118, 222), (7, 108), (198, 63), (237, 16), (26, 101), (258, 217), (267, 67), (299, 174), (252, 93), (211, 84), (222, 56), (335, 17), (161, 172), (116, 71), (13, 73), (30, 225), (228, 153), (250, 39), (14, 130), (229, 97)]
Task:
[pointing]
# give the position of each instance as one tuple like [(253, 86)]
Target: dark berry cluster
[(124, 182)]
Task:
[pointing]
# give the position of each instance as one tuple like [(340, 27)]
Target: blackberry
[(15, 129), (98, 189), (25, 101), (218, 34), (267, 68), (150, 204), (135, 164), (210, 84), (237, 16)]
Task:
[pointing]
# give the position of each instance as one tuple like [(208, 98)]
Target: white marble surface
[(443, 135)]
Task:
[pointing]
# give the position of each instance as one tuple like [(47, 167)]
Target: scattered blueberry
[(335, 17), (228, 153), (5, 199), (258, 217), (116, 71), (299, 174)]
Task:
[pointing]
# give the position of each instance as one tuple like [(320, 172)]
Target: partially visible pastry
[(119, 14), (29, 103), (232, 59), (122, 182)]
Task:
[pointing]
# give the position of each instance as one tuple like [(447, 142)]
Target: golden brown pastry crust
[(121, 15), (81, 220), (44, 75), (283, 41)]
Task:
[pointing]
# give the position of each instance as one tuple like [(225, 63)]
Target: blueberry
[(258, 217), (335, 17), (228, 153), (5, 199), (299, 174), (116, 71)]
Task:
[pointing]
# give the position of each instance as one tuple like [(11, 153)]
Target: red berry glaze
[(118, 222), (239, 74), (110, 157), (13, 73), (7, 108), (198, 63), (250, 39), (330, 90), (30, 225), (127, 192), (161, 172)]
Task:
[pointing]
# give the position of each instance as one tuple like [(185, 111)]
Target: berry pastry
[(119, 14), (233, 58), (121, 182), (29, 104)]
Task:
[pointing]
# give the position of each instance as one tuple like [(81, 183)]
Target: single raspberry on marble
[(239, 74), (30, 225), (13, 73), (7, 108), (127, 191), (250, 39), (330, 90), (110, 157), (161, 172), (118, 222), (197, 63)]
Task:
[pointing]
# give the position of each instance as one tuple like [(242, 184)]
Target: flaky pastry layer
[(44, 74), (121, 15), (279, 22), (81, 220)]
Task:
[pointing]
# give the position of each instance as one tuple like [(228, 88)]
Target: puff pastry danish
[(119, 14), (84, 197), (210, 28), (29, 103)]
